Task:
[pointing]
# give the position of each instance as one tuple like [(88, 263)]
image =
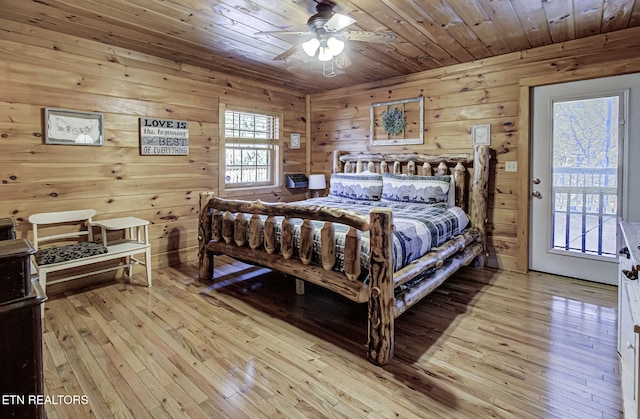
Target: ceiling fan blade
[(282, 33), (379, 37), (338, 22), (288, 53)]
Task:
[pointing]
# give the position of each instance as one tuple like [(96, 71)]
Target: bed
[(369, 249)]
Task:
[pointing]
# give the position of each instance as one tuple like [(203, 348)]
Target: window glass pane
[(249, 174), (248, 157), (237, 157), (247, 163), (262, 157), (585, 171), (249, 125)]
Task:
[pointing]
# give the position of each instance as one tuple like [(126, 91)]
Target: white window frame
[(275, 184)]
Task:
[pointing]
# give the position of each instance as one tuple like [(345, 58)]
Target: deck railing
[(585, 202), (247, 174)]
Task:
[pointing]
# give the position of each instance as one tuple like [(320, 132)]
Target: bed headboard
[(472, 199), (411, 164)]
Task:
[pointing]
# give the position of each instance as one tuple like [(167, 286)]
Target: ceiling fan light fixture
[(311, 46), (335, 45), (324, 54), (325, 38)]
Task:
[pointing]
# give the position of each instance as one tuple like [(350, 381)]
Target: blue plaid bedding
[(418, 228)]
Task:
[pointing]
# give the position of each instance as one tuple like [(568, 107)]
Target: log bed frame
[(220, 232)]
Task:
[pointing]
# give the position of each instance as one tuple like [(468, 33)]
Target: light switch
[(511, 166)]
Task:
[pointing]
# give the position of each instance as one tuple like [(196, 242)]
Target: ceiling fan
[(325, 36)]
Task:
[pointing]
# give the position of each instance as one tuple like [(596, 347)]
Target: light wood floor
[(485, 344)]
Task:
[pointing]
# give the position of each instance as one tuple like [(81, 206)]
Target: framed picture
[(63, 126), (295, 140), (481, 134), (397, 122)]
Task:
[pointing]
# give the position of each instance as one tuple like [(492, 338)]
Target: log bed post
[(382, 300), (459, 181), (305, 251), (204, 236), (328, 245), (287, 237), (479, 193), (337, 164), (255, 231), (270, 240), (426, 169)]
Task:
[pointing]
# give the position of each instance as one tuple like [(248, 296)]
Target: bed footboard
[(222, 232), (224, 229)]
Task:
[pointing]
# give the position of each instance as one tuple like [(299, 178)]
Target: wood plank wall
[(41, 68), (492, 91)]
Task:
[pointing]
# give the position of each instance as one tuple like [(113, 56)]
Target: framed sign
[(164, 137), (63, 126), (397, 122)]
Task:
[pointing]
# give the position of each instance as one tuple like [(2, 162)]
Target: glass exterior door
[(575, 179)]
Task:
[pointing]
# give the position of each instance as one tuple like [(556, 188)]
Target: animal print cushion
[(69, 252), (363, 187), (424, 189)]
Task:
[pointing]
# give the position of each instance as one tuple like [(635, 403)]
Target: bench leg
[(147, 265), (129, 261)]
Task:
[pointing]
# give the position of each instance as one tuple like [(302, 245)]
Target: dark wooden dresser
[(7, 231), (21, 374)]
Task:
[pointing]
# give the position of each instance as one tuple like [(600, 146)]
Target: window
[(250, 152)]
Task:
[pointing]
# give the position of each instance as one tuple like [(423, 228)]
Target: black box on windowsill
[(296, 180)]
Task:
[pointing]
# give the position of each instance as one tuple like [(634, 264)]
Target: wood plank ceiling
[(221, 35)]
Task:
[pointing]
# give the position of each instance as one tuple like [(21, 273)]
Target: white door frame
[(629, 208)]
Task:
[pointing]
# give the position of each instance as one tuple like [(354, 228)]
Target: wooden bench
[(70, 244)]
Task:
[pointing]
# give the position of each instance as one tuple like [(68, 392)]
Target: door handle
[(536, 194), (536, 181), (633, 273), (625, 251)]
